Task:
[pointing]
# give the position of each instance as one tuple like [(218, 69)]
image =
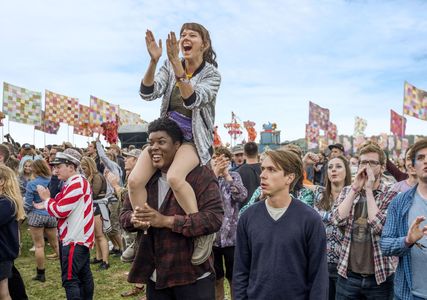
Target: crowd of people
[(282, 224)]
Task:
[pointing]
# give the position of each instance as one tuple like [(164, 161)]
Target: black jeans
[(16, 286), (203, 289), (359, 287), (76, 274)]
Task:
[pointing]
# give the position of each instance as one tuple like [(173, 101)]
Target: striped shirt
[(73, 208), (384, 266)]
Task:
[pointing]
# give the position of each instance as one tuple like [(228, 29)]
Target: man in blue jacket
[(405, 232)]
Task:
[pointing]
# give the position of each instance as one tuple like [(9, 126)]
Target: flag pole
[(44, 138), (34, 135), (403, 118), (68, 133)]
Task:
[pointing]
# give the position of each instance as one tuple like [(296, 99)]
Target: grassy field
[(108, 284)]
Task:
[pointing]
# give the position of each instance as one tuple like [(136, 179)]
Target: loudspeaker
[(133, 135)]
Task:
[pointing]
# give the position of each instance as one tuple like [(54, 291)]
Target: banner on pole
[(22, 105), (414, 102), (60, 108)]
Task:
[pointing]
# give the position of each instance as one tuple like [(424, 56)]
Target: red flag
[(318, 115), (397, 124)]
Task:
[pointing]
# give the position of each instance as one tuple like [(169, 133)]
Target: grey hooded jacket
[(206, 84)]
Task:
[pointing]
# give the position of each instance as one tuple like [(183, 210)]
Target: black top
[(250, 177), (9, 239)]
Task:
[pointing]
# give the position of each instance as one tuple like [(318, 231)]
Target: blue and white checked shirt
[(393, 242)]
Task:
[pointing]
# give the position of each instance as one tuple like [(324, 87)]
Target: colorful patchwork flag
[(60, 108), (405, 144), (318, 115), (312, 135), (48, 126), (397, 124), (22, 105), (414, 102), (332, 131), (82, 126), (359, 126), (101, 111), (129, 118)]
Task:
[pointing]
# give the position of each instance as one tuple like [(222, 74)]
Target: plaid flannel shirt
[(384, 266), (169, 251)]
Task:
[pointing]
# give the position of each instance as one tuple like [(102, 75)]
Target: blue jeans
[(76, 274), (358, 287)]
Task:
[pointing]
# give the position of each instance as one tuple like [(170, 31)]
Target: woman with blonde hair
[(39, 221), (99, 189), (11, 211), (26, 175)]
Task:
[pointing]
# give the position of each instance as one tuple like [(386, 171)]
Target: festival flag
[(359, 126), (82, 126), (129, 118), (332, 131), (22, 105), (101, 111), (318, 115), (414, 102), (60, 108), (397, 124), (312, 135), (47, 126)]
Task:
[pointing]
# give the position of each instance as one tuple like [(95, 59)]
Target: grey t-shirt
[(419, 256), (361, 258)]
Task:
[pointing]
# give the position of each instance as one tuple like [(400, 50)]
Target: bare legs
[(101, 241), (4, 290)]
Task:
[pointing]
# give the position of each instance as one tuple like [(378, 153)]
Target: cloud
[(349, 56)]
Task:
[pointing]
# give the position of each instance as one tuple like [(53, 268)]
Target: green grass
[(108, 283)]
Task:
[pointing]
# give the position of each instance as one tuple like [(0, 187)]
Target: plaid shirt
[(384, 266), (169, 251)]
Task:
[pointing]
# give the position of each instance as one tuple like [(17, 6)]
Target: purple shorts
[(184, 123)]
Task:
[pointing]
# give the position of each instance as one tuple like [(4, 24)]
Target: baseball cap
[(237, 149), (26, 146), (69, 156), (337, 145), (134, 153)]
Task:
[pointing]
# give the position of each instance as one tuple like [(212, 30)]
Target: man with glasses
[(405, 231), (360, 212)]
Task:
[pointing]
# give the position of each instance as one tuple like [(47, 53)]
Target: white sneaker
[(202, 248), (32, 249)]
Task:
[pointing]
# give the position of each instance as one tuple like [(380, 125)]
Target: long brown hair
[(12, 191), (209, 55), (327, 201), (91, 165), (40, 168)]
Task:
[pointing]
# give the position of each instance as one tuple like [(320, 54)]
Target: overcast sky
[(274, 57)]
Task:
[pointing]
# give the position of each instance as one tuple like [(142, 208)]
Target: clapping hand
[(172, 47), (154, 49)]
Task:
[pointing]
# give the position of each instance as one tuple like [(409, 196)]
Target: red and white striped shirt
[(73, 208)]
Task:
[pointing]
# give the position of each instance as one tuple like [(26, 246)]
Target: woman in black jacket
[(11, 211)]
